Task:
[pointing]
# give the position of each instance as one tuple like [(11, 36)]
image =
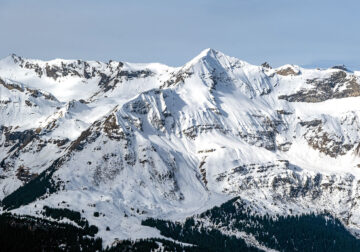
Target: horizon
[(322, 64)]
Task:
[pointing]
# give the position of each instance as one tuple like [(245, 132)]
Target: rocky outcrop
[(29, 91), (322, 136), (287, 71), (290, 188), (338, 85)]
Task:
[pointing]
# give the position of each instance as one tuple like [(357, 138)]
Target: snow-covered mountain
[(133, 141)]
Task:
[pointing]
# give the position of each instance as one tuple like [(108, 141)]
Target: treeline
[(61, 213), (284, 233), (203, 238), (153, 244), (27, 233), (34, 189)]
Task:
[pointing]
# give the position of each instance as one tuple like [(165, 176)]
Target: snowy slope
[(133, 141)]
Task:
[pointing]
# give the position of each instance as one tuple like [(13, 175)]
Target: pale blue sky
[(301, 32)]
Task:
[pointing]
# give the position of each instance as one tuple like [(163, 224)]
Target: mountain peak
[(209, 56), (208, 52), (11, 59), (213, 59), (203, 55)]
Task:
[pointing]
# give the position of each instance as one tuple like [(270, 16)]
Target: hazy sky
[(304, 32)]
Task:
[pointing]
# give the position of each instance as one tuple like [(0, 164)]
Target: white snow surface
[(157, 141)]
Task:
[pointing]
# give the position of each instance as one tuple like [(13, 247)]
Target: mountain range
[(127, 145)]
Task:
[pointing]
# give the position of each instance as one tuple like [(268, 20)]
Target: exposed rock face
[(32, 92), (287, 71), (282, 183), (330, 144), (265, 134), (23, 174), (338, 85), (321, 134), (108, 75), (266, 65), (78, 68), (18, 139), (342, 67)]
